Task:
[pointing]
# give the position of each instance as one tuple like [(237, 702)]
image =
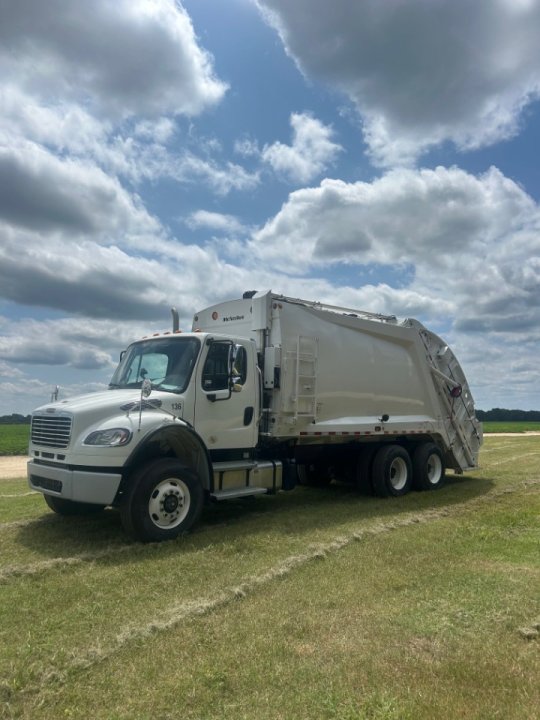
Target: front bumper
[(78, 485)]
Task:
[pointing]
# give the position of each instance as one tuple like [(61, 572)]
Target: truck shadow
[(299, 513), (308, 508)]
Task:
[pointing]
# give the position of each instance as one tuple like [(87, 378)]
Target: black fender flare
[(173, 440)]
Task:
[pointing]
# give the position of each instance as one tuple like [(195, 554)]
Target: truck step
[(234, 465), (238, 492)]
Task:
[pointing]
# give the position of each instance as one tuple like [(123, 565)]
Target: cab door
[(227, 395)]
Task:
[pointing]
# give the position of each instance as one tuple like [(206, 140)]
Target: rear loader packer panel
[(339, 373)]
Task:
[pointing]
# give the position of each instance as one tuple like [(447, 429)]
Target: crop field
[(14, 439), (511, 427), (319, 603)]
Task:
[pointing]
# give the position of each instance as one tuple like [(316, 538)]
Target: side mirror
[(146, 388), (233, 354), (237, 367)]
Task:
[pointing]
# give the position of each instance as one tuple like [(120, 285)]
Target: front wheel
[(391, 471), (165, 499)]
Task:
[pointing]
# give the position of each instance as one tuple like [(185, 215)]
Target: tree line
[(14, 419), (503, 415)]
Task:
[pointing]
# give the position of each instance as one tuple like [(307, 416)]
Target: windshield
[(167, 363)]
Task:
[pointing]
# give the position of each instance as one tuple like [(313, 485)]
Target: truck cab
[(208, 381), (178, 404)]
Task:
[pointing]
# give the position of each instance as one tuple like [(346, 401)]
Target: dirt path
[(525, 433), (13, 466)]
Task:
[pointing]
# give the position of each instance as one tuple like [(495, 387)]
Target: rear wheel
[(165, 499), (428, 467), (70, 507), (392, 471)]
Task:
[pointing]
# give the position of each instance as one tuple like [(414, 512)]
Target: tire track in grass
[(496, 448), (41, 566), (514, 458), (41, 520), (175, 615), (16, 495)]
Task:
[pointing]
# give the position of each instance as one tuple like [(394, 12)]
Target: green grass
[(312, 604), (511, 427), (14, 439)]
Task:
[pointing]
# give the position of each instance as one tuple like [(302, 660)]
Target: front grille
[(51, 430)]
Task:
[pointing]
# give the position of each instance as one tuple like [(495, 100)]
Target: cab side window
[(240, 366), (215, 375)]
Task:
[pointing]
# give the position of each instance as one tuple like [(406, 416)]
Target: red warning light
[(456, 391)]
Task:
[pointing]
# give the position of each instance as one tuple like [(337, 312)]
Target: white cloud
[(9, 371), (120, 58), (215, 221), (91, 97), (247, 147), (141, 152), (469, 239), (38, 190), (57, 122), (102, 84), (311, 152), (160, 130), (222, 179), (419, 72)]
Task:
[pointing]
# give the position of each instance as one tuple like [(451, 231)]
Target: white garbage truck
[(265, 392)]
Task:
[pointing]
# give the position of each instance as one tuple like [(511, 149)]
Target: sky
[(375, 155)]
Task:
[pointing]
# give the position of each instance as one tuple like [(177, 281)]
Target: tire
[(313, 474), (70, 507), (392, 471), (428, 467), (164, 500)]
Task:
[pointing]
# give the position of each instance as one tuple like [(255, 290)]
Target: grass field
[(512, 427), (14, 439), (305, 605)]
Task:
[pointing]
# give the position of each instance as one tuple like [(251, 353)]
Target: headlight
[(110, 438)]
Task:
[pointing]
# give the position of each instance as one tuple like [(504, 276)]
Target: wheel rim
[(434, 469), (398, 473), (169, 503)]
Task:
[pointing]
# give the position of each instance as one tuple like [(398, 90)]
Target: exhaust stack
[(175, 320)]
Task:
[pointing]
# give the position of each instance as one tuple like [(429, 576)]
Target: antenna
[(146, 389)]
